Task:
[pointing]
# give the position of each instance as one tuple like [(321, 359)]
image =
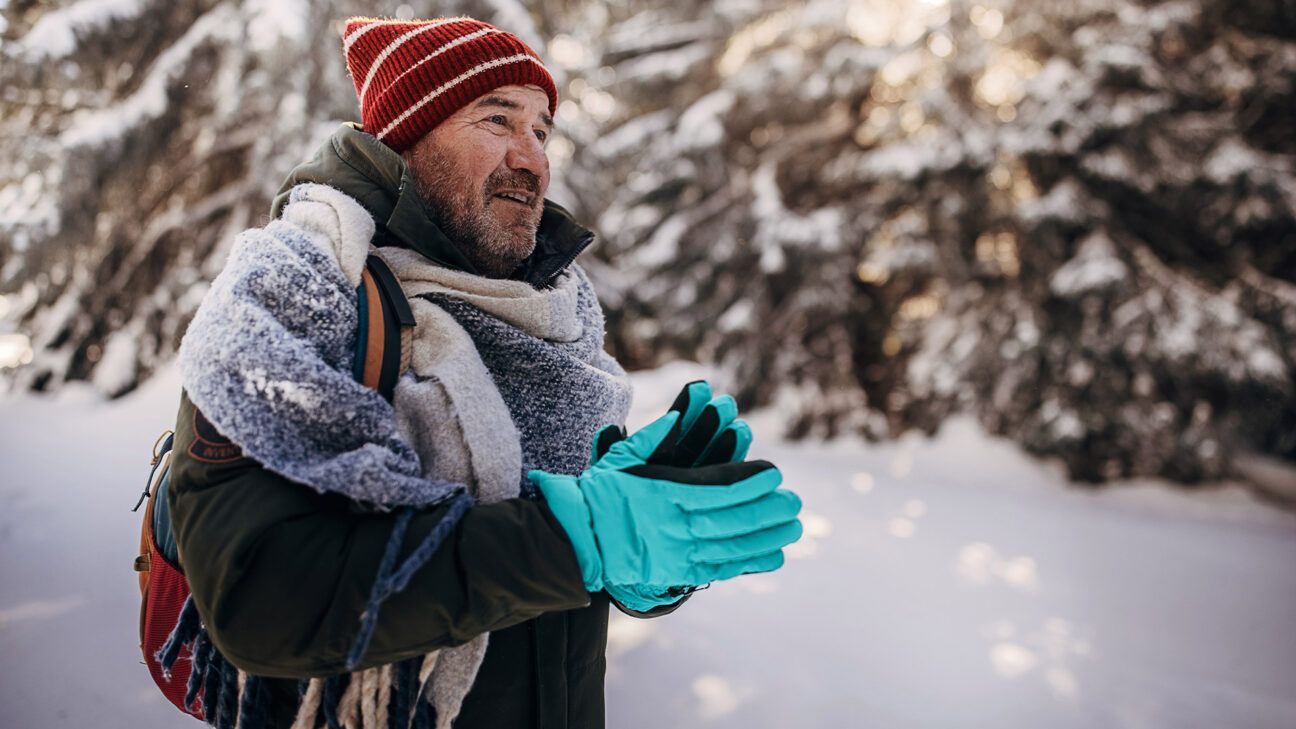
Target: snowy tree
[(1076, 220), (144, 134)]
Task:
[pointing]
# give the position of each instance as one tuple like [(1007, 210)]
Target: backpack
[(382, 354)]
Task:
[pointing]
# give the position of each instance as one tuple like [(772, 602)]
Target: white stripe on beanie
[(350, 40), (456, 42), (391, 48), (455, 82)]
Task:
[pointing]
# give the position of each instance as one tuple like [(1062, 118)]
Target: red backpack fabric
[(163, 591)]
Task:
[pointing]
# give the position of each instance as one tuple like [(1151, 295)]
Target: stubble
[(494, 235)]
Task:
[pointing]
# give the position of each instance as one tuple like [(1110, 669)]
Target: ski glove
[(706, 433), (650, 526)]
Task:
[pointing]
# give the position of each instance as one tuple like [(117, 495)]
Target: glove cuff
[(568, 504), (640, 602)]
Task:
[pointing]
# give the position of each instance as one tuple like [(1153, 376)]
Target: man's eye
[(541, 134), (498, 119)]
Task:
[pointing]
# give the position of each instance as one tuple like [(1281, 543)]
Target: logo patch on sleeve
[(209, 446)]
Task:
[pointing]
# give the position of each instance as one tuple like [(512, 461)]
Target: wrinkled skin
[(465, 166)]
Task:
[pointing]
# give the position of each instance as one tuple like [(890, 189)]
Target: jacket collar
[(369, 171)]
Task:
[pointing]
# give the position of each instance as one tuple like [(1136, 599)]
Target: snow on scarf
[(267, 359)]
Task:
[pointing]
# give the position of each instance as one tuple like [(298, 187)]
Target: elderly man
[(444, 552)]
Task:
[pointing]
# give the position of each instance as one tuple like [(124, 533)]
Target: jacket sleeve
[(281, 573)]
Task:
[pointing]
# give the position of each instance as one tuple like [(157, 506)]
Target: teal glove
[(652, 526), (707, 433)]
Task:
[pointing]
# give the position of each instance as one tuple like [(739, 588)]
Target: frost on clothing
[(267, 360)]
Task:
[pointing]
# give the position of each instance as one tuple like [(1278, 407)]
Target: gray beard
[(493, 251)]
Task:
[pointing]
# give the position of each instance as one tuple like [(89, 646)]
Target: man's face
[(485, 172)]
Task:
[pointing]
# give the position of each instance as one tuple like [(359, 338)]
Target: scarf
[(503, 377)]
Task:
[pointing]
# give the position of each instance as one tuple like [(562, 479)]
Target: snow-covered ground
[(950, 582)]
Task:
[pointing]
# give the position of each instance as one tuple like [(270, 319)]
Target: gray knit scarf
[(503, 377)]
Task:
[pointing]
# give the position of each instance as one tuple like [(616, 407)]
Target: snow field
[(950, 582)]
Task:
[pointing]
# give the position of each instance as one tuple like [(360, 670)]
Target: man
[(448, 556)]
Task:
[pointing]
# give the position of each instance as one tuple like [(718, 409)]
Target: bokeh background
[(1010, 285)]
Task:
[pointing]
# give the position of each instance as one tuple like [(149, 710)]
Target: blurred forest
[(1074, 219)]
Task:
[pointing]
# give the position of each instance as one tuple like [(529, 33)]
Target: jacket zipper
[(576, 251)]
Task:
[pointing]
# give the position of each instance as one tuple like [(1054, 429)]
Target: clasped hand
[(675, 505)]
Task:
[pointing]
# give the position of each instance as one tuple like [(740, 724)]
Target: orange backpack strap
[(386, 329), (161, 461)]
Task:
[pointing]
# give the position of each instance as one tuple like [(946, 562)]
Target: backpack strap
[(386, 329)]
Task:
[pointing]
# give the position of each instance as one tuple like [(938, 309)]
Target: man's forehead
[(515, 97), (515, 92)]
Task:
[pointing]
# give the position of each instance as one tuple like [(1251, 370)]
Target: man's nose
[(526, 153)]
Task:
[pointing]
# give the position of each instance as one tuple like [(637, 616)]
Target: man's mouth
[(516, 196)]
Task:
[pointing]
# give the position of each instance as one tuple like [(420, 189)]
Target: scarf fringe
[(308, 703), (392, 696), (391, 579), (228, 701)]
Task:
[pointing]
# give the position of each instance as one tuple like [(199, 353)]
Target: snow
[(1187, 315), (820, 228), (117, 368), (275, 22), (1114, 163), (917, 256), (665, 67), (908, 159), (56, 33), (517, 18), (647, 32), (663, 246), (296, 393), (1066, 201), (945, 582), (636, 133), (1096, 267), (701, 125), (741, 315), (26, 210), (1231, 159), (15, 350), (1120, 56), (94, 127)]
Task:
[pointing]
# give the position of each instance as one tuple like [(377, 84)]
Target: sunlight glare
[(817, 526), (1011, 660), (862, 482), (915, 508), (940, 45), (1062, 682), (626, 633), (15, 350), (900, 527), (716, 696), (880, 23)]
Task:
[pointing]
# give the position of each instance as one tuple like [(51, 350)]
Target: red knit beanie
[(411, 74)]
